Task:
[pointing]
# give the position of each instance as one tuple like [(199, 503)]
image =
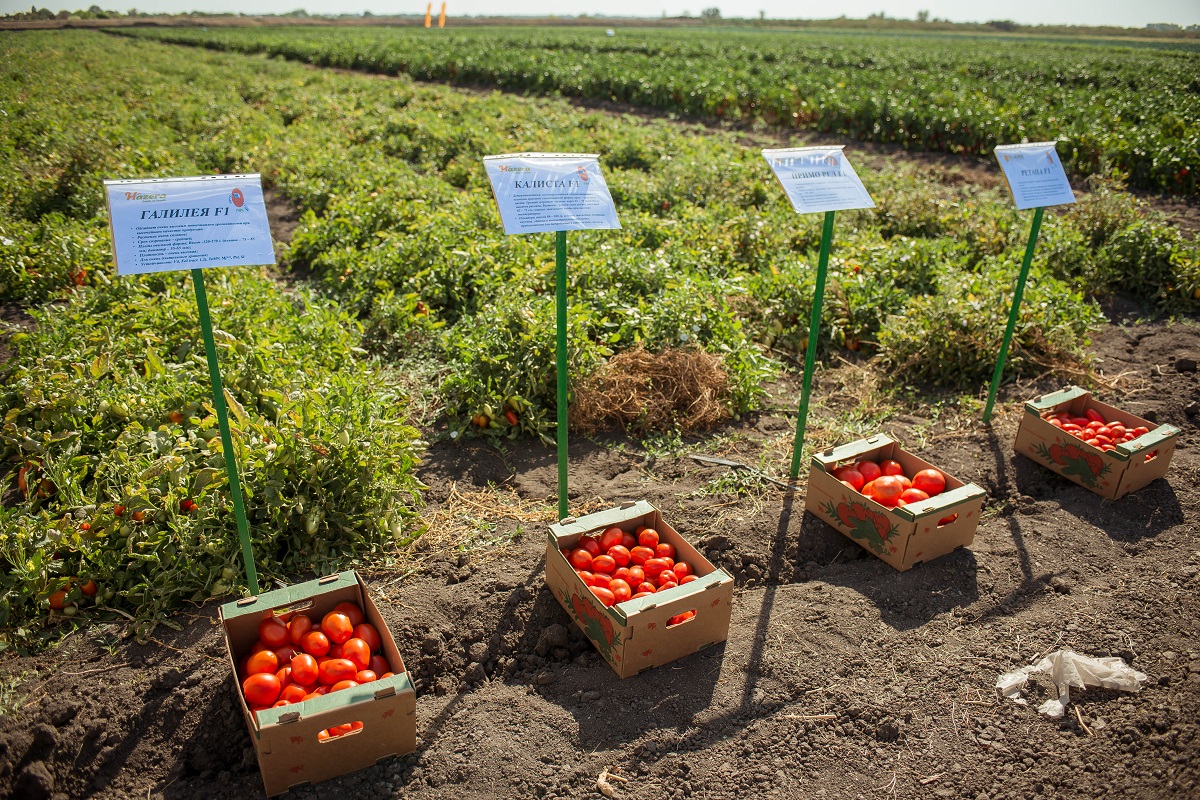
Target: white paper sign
[(540, 192), (818, 179), (166, 224), (1035, 175)]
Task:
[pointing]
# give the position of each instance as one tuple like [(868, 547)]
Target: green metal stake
[(560, 280), (218, 390), (810, 355), (1012, 315)]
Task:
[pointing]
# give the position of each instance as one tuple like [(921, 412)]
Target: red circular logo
[(238, 198)]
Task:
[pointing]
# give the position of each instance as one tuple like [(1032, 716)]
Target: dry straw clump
[(644, 392)]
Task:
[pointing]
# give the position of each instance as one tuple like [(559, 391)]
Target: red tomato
[(641, 554), (851, 477), (587, 577), (610, 538), (678, 618), (681, 569), (636, 576), (258, 647), (89, 589), (379, 665), (591, 544), (349, 683), (642, 594), (628, 541), (315, 643), (947, 520), (337, 627), (304, 669), (299, 626), (601, 580), (869, 470), (647, 537), (887, 490), (352, 611), (386, 675), (294, 693), (604, 563), (261, 689), (58, 600), (905, 482), (686, 579), (929, 481), (606, 597), (335, 651), (664, 550), (913, 496), (849, 485), (581, 558), (366, 631), (357, 651), (623, 573), (665, 577), (264, 661), (1056, 422), (1070, 427), (285, 677), (890, 467), (336, 669), (654, 567), (621, 590), (646, 587), (285, 653), (365, 676), (869, 489), (619, 554), (1093, 415), (1139, 431), (671, 584), (1102, 440)]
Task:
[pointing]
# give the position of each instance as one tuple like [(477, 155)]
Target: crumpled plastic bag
[(1067, 668)]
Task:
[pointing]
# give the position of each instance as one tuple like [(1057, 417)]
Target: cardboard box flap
[(601, 519), (286, 596), (342, 700), (939, 502), (852, 450), (1040, 404), (712, 580), (1151, 439)]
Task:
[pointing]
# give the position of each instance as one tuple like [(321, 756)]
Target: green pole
[(560, 280), (810, 354), (218, 390), (1012, 315)]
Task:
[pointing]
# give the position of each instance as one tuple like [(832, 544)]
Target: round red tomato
[(636, 575), (686, 579), (273, 633), (357, 651), (336, 669), (681, 569), (581, 559), (604, 563), (913, 496), (646, 587), (337, 627), (628, 541), (587, 577), (366, 631), (600, 579), (304, 669), (349, 683), (621, 590), (366, 676), (850, 476), (261, 689), (315, 643), (619, 554), (591, 544), (642, 594), (890, 467), (647, 537), (929, 481), (299, 626), (624, 574), (379, 665), (285, 653), (869, 470), (352, 611), (262, 661), (886, 490), (664, 550), (611, 538), (285, 677), (294, 693)]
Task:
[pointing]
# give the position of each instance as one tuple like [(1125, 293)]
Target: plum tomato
[(581, 559), (665, 577), (929, 481), (286, 653), (1093, 415), (641, 554), (886, 490), (591, 544), (604, 563), (358, 652), (913, 496), (686, 579), (647, 537), (366, 631), (299, 626), (263, 661), (586, 576), (352, 611), (623, 573), (641, 594), (869, 470), (294, 693), (272, 632), (261, 689), (891, 467), (337, 627), (679, 618), (619, 554), (664, 550), (628, 541), (601, 580), (621, 590), (366, 676), (285, 677), (315, 643), (851, 477), (349, 683), (335, 651), (671, 584), (379, 665), (947, 520), (606, 597), (681, 569), (654, 567), (610, 538), (304, 669), (336, 669), (646, 587)]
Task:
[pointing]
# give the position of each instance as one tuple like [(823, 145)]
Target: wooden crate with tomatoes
[(636, 588), (896, 505), (320, 681), (1098, 446)]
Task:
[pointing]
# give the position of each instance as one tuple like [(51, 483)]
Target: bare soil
[(840, 678)]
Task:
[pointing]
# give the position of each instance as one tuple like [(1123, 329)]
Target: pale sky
[(1033, 12)]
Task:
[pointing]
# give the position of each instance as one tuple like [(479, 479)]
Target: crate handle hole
[(681, 619), (287, 611), (337, 732), (1153, 454), (944, 521)]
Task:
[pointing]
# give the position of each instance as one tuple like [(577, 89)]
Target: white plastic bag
[(1067, 668)]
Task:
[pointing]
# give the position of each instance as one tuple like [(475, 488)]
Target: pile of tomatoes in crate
[(1093, 429), (886, 484), (296, 659), (619, 566)]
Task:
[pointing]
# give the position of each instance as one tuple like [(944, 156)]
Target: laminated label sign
[(544, 192), (818, 179), (1035, 175), (162, 225)]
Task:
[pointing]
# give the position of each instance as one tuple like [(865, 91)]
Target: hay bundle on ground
[(644, 392)]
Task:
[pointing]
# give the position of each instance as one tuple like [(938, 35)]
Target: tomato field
[(392, 392)]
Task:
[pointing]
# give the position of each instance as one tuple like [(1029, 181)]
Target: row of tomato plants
[(1115, 108), (402, 255)]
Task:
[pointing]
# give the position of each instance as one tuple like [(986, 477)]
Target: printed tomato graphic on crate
[(862, 523), (1088, 468), (596, 626)]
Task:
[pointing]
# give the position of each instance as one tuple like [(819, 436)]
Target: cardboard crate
[(1111, 474), (905, 536), (285, 738), (634, 636)]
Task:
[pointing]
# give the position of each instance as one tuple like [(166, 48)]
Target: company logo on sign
[(237, 198), (507, 168), (142, 197), (831, 160), (583, 173)]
